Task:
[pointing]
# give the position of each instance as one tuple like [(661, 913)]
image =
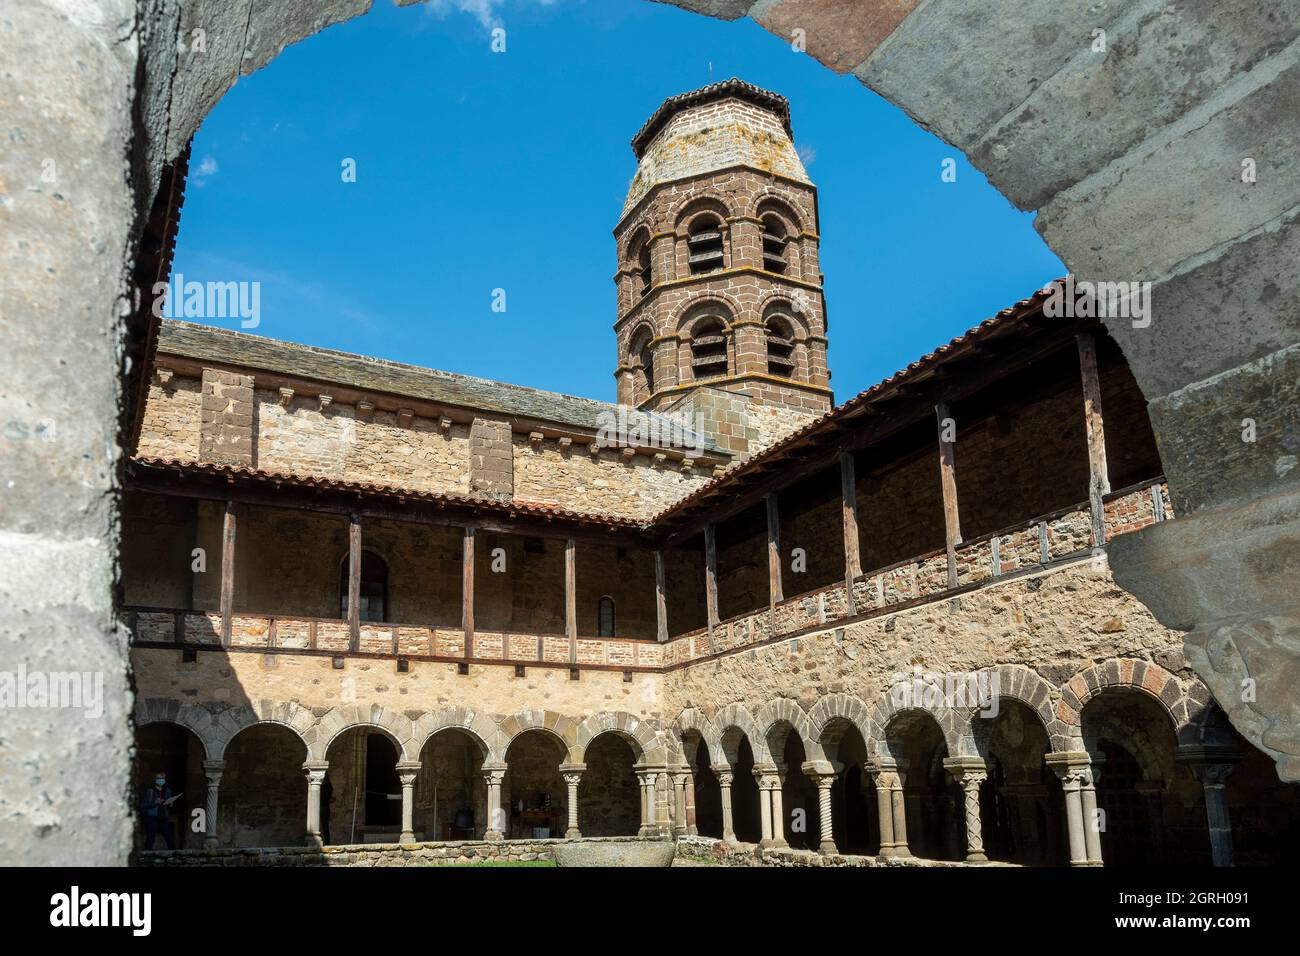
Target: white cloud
[(205, 170), (807, 154), (485, 11)]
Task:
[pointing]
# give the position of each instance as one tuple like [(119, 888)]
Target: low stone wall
[(720, 853), (452, 853)]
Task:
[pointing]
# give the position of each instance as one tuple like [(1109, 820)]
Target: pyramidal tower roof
[(732, 123)]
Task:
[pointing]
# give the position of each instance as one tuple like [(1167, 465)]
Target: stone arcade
[(440, 608)]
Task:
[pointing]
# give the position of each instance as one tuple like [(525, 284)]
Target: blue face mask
[(159, 781)]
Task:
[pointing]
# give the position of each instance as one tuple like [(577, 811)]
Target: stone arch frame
[(1124, 673), (209, 730), (685, 317), (339, 720), (885, 711), (769, 200), (1025, 685), (563, 729), (692, 207), (784, 711), (478, 727), (693, 722), (640, 734), (839, 707), (288, 713), (732, 722)]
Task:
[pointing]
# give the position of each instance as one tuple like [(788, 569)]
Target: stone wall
[(300, 436)]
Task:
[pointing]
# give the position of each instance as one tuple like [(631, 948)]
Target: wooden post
[(711, 576), (467, 592), (354, 583), (948, 478), (571, 597), (849, 515), (775, 593), (1098, 474), (227, 572), (661, 599)]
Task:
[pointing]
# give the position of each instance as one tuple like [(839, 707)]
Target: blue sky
[(478, 170)]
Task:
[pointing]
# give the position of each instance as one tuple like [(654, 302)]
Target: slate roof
[(733, 88), (364, 373)]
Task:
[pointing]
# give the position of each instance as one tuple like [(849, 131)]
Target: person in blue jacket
[(157, 809)]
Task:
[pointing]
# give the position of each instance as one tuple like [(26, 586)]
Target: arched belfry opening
[(746, 235)]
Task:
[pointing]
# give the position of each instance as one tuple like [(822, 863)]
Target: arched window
[(605, 617), (641, 354), (643, 267), (709, 348), (775, 239), (704, 245), (780, 347), (374, 587)]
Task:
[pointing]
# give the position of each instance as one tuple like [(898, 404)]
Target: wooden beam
[(467, 591), (711, 575), (774, 590), (354, 582), (849, 516), (228, 527), (661, 599), (571, 597), (948, 479), (1098, 472)]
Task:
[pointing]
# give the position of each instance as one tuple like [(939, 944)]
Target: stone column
[(1091, 819), (406, 773), (890, 780), (970, 772), (1211, 766), (825, 779), (778, 808), (1073, 767), (315, 777), (725, 776), (212, 769), (765, 778), (493, 776), (884, 810), (680, 779), (649, 811), (572, 773)]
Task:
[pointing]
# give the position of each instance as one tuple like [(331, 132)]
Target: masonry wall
[(339, 442)]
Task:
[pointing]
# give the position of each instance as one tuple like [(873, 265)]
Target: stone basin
[(640, 853)]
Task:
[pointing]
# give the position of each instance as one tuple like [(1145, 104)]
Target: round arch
[(397, 727)]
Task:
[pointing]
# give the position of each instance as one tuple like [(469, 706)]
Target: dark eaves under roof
[(733, 88), (205, 343), (989, 328)]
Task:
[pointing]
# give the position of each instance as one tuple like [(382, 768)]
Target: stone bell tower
[(719, 282)]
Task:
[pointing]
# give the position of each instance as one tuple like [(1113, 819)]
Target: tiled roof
[(323, 483), (239, 349), (733, 88)]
